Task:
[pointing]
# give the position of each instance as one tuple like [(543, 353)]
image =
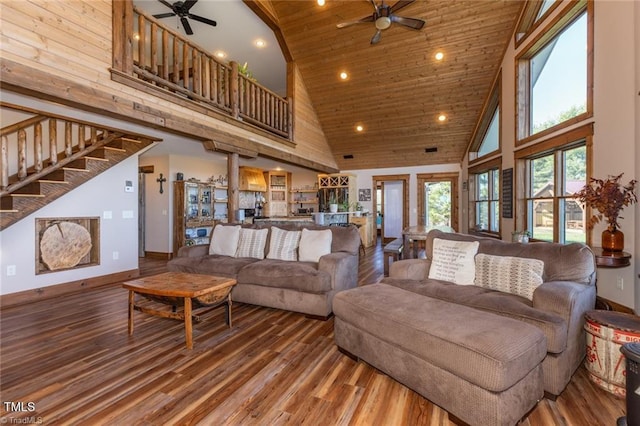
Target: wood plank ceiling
[(396, 89)]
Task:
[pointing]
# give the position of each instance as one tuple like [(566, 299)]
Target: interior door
[(392, 209)]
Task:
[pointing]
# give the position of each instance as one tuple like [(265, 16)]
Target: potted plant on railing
[(608, 197)]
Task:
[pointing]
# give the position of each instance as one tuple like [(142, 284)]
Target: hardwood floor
[(72, 357)]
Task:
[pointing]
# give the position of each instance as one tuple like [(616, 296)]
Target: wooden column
[(233, 171)]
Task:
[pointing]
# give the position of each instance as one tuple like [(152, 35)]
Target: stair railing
[(26, 139)]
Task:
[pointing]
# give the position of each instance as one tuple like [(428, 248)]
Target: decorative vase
[(612, 239), (333, 208)]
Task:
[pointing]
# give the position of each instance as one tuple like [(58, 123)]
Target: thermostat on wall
[(128, 186)]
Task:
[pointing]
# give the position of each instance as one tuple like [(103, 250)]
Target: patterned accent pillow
[(252, 242), (224, 240), (283, 244), (314, 245), (515, 275), (453, 261)]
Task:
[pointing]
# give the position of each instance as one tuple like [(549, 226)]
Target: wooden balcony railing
[(164, 58)]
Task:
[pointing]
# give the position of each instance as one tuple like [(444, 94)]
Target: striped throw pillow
[(283, 244), (252, 242), (515, 275)]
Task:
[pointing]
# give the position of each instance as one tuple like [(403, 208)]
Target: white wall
[(104, 193), (637, 149), (364, 181), (616, 136)]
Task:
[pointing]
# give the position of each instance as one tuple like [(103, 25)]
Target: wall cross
[(161, 180)]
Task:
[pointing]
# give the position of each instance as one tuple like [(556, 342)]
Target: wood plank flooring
[(72, 357)]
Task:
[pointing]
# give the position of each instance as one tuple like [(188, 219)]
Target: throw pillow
[(314, 245), (516, 275), (453, 261), (252, 242), (283, 244), (224, 240)]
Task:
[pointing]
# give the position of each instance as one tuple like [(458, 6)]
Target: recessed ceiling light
[(359, 128), (260, 43), (220, 54), (442, 118), (136, 36), (344, 75), (320, 2), (439, 56)]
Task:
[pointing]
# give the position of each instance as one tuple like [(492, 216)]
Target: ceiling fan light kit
[(383, 16)]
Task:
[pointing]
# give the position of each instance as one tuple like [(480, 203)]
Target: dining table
[(412, 234)]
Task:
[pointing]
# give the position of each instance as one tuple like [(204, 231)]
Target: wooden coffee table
[(180, 289)]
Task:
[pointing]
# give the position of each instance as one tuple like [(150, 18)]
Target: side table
[(607, 331), (611, 259)]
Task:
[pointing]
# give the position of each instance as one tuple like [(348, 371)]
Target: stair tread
[(27, 195), (88, 157), (52, 181)]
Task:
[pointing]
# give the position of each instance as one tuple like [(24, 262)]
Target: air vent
[(348, 156), (432, 149)]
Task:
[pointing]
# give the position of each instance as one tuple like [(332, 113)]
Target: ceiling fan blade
[(376, 37), (187, 27), (361, 21), (188, 4), (164, 15), (375, 6), (166, 3), (203, 20), (401, 4), (414, 23)]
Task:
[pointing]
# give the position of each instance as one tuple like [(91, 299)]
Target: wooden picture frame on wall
[(64, 243)]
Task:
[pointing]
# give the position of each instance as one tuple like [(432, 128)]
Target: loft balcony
[(152, 57)]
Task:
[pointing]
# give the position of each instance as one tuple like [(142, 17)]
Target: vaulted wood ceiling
[(396, 89)]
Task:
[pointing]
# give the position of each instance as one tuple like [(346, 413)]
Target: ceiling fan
[(181, 9), (383, 15)]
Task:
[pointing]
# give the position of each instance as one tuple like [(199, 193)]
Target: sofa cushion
[(509, 305), (213, 264), (224, 240), (489, 351), (314, 245), (453, 261), (563, 262), (516, 275), (302, 276), (283, 245), (252, 243)]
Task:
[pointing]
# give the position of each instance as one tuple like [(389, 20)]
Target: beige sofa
[(483, 354), (300, 286)]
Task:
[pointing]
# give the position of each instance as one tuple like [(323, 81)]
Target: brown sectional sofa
[(306, 287), (455, 344)]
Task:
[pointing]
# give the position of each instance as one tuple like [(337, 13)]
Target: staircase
[(76, 152)]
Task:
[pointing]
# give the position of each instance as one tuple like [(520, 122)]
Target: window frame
[(494, 166), (581, 136), (492, 104), (529, 20), (522, 64)]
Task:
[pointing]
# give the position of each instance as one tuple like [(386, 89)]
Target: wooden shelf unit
[(278, 184), (195, 212)]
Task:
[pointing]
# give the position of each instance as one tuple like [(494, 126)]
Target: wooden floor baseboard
[(29, 296)]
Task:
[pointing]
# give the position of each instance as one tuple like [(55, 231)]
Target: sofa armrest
[(564, 297), (411, 269), (193, 251), (343, 269)]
